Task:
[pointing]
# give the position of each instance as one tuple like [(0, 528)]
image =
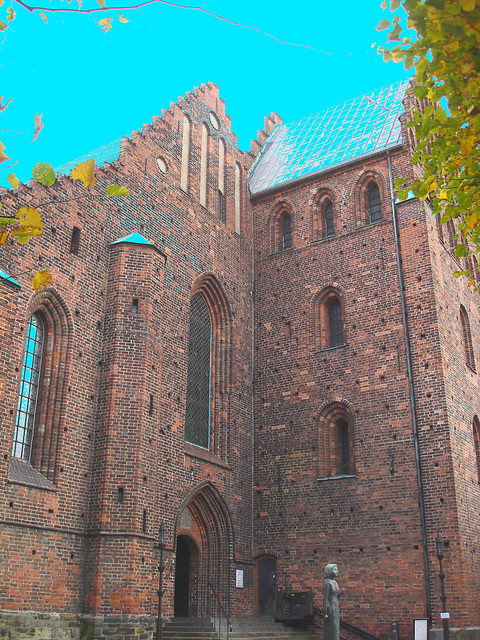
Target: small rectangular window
[(75, 241), (150, 408), (144, 521), (135, 305), (120, 495)]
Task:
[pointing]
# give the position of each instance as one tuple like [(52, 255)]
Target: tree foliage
[(445, 119)]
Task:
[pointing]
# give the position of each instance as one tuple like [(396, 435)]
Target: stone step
[(242, 629)]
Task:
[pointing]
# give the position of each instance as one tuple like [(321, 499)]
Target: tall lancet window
[(197, 418), (27, 396), (185, 154)]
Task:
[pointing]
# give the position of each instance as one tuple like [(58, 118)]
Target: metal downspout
[(412, 392)]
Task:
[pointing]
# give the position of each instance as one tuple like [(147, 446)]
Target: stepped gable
[(113, 152), (356, 129)]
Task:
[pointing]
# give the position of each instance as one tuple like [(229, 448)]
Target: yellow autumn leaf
[(3, 26), (433, 186), (43, 17), (4, 235), (41, 280), (85, 171), (442, 195), (3, 156), (30, 217), (101, 3), (1, 2), (13, 181), (122, 18), (467, 144), (106, 24), (468, 5), (472, 220), (11, 14)]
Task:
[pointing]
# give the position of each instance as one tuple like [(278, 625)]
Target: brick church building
[(267, 351)]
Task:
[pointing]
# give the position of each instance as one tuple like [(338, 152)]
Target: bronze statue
[(331, 594)]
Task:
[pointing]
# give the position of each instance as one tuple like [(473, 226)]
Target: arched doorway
[(186, 577), (204, 554)]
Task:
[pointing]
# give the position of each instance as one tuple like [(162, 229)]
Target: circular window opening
[(215, 121), (162, 165)]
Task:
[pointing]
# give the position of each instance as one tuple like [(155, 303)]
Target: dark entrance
[(182, 578), (267, 568)]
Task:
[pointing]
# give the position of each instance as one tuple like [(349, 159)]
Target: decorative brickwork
[(342, 404)]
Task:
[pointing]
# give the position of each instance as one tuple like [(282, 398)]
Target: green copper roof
[(341, 134), (134, 238)]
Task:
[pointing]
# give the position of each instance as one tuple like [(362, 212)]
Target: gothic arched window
[(335, 322), (336, 442), (467, 338), (197, 418), (374, 203), (476, 440), (287, 232), (29, 383), (328, 215)]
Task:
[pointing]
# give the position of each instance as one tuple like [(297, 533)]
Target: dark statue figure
[(331, 595)]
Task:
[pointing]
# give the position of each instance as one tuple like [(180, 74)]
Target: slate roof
[(341, 134)]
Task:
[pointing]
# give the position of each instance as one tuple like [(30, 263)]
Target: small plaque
[(239, 578), (420, 629), (444, 615), (186, 519)]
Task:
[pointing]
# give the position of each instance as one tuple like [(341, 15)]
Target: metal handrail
[(222, 611), (347, 625)]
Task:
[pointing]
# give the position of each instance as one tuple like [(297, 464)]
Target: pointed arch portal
[(204, 552)]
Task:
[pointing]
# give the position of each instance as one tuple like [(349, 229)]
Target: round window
[(215, 121), (162, 165)]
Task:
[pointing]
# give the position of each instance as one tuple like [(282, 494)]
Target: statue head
[(331, 571)]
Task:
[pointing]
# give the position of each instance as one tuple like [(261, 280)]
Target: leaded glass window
[(328, 213), (287, 233), (374, 204), (197, 418), (335, 323), (27, 397)]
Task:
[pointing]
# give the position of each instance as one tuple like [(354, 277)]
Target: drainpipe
[(412, 392)]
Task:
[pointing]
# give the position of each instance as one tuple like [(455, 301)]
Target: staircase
[(242, 629), (189, 629)]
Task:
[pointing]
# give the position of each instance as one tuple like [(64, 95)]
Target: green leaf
[(460, 251), (383, 24), (420, 91), (117, 190), (5, 221), (13, 180), (44, 174)]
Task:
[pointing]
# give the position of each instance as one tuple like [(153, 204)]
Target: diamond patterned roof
[(340, 134), (108, 153)]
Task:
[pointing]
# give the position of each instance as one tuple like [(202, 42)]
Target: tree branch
[(32, 9)]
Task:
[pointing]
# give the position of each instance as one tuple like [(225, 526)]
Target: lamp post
[(162, 542), (445, 616)]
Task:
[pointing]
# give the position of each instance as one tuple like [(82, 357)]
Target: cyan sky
[(93, 87)]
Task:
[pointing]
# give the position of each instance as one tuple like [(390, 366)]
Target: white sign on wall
[(420, 630), (239, 578)]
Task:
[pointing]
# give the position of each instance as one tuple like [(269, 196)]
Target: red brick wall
[(109, 436), (369, 524)]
